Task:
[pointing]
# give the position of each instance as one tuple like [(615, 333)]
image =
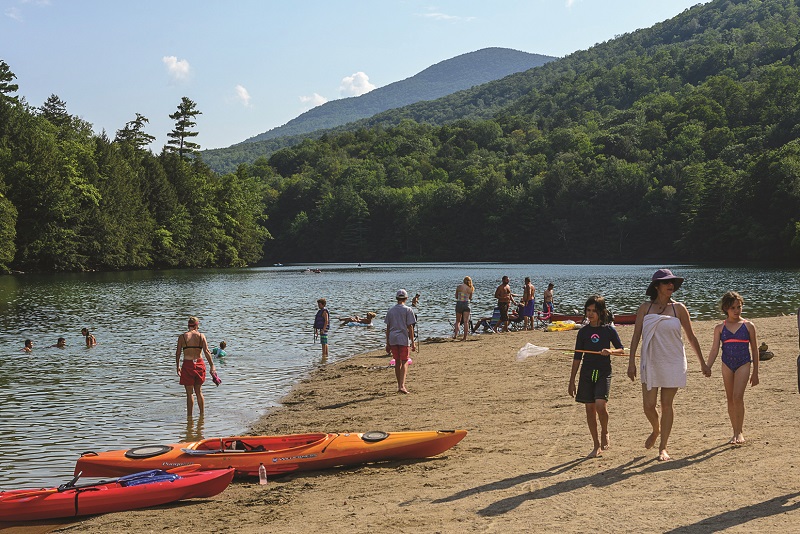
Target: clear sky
[(252, 65)]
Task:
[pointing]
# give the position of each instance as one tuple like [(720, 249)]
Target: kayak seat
[(242, 446)]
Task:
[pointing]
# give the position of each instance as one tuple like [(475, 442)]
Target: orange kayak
[(279, 454), (140, 490)]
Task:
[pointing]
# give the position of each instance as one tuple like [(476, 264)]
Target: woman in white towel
[(663, 359)]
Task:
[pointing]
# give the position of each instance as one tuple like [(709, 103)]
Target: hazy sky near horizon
[(252, 65)]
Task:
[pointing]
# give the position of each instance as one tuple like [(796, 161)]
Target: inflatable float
[(562, 326)]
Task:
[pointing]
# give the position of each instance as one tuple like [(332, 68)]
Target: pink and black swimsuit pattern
[(735, 347)]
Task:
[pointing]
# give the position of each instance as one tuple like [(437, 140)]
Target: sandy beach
[(523, 465)]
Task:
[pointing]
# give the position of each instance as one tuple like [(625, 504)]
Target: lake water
[(56, 403)]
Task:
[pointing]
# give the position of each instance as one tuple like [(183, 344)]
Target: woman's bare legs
[(201, 402), (458, 324), (649, 400), (189, 400), (667, 417)]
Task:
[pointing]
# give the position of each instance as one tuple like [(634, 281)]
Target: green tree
[(6, 79), (8, 232), (55, 110), (133, 133), (184, 122)]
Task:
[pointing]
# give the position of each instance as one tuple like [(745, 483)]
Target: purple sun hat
[(662, 275)]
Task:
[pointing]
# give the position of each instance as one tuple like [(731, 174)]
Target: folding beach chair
[(517, 323), (541, 319), (490, 325)]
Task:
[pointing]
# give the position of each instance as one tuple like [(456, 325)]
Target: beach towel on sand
[(663, 361)]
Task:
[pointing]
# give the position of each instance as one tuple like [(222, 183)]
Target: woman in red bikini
[(192, 344)]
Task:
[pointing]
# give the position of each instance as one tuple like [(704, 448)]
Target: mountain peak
[(443, 78)]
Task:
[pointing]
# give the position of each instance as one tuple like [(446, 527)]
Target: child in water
[(221, 350), (90, 339), (594, 383), (321, 324), (737, 336)]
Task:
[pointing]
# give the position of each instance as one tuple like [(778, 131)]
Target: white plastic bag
[(529, 350)]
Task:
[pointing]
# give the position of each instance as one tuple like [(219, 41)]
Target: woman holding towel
[(663, 359)]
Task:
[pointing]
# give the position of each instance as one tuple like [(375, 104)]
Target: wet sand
[(523, 465)]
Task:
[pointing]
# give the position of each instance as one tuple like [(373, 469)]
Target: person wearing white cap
[(400, 323)]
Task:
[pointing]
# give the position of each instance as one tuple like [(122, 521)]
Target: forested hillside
[(71, 200), (443, 78), (675, 143)]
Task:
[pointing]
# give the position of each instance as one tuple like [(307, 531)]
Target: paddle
[(533, 350)]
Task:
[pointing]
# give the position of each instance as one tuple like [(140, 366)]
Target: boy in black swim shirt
[(594, 383)]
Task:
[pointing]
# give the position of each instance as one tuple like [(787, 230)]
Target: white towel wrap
[(663, 357)]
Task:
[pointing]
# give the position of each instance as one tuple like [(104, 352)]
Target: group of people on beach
[(400, 323), (526, 307), (660, 322), (61, 343)]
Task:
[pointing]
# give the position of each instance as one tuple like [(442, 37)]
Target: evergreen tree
[(55, 110), (184, 122), (6, 79), (133, 133)]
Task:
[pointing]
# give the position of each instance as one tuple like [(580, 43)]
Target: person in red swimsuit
[(192, 344)]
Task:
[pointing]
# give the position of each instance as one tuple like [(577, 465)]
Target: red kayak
[(619, 318), (140, 490)]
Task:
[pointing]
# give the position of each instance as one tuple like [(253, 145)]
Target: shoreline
[(524, 459)]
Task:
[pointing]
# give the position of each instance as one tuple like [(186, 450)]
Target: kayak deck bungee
[(139, 490), (279, 454)]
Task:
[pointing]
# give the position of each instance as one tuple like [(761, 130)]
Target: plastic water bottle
[(262, 474)]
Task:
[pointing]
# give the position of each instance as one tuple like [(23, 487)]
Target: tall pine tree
[(184, 121)]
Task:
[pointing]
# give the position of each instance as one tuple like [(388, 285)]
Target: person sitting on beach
[(221, 350), (28, 346), (90, 339), (60, 344), (485, 323), (360, 320)]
